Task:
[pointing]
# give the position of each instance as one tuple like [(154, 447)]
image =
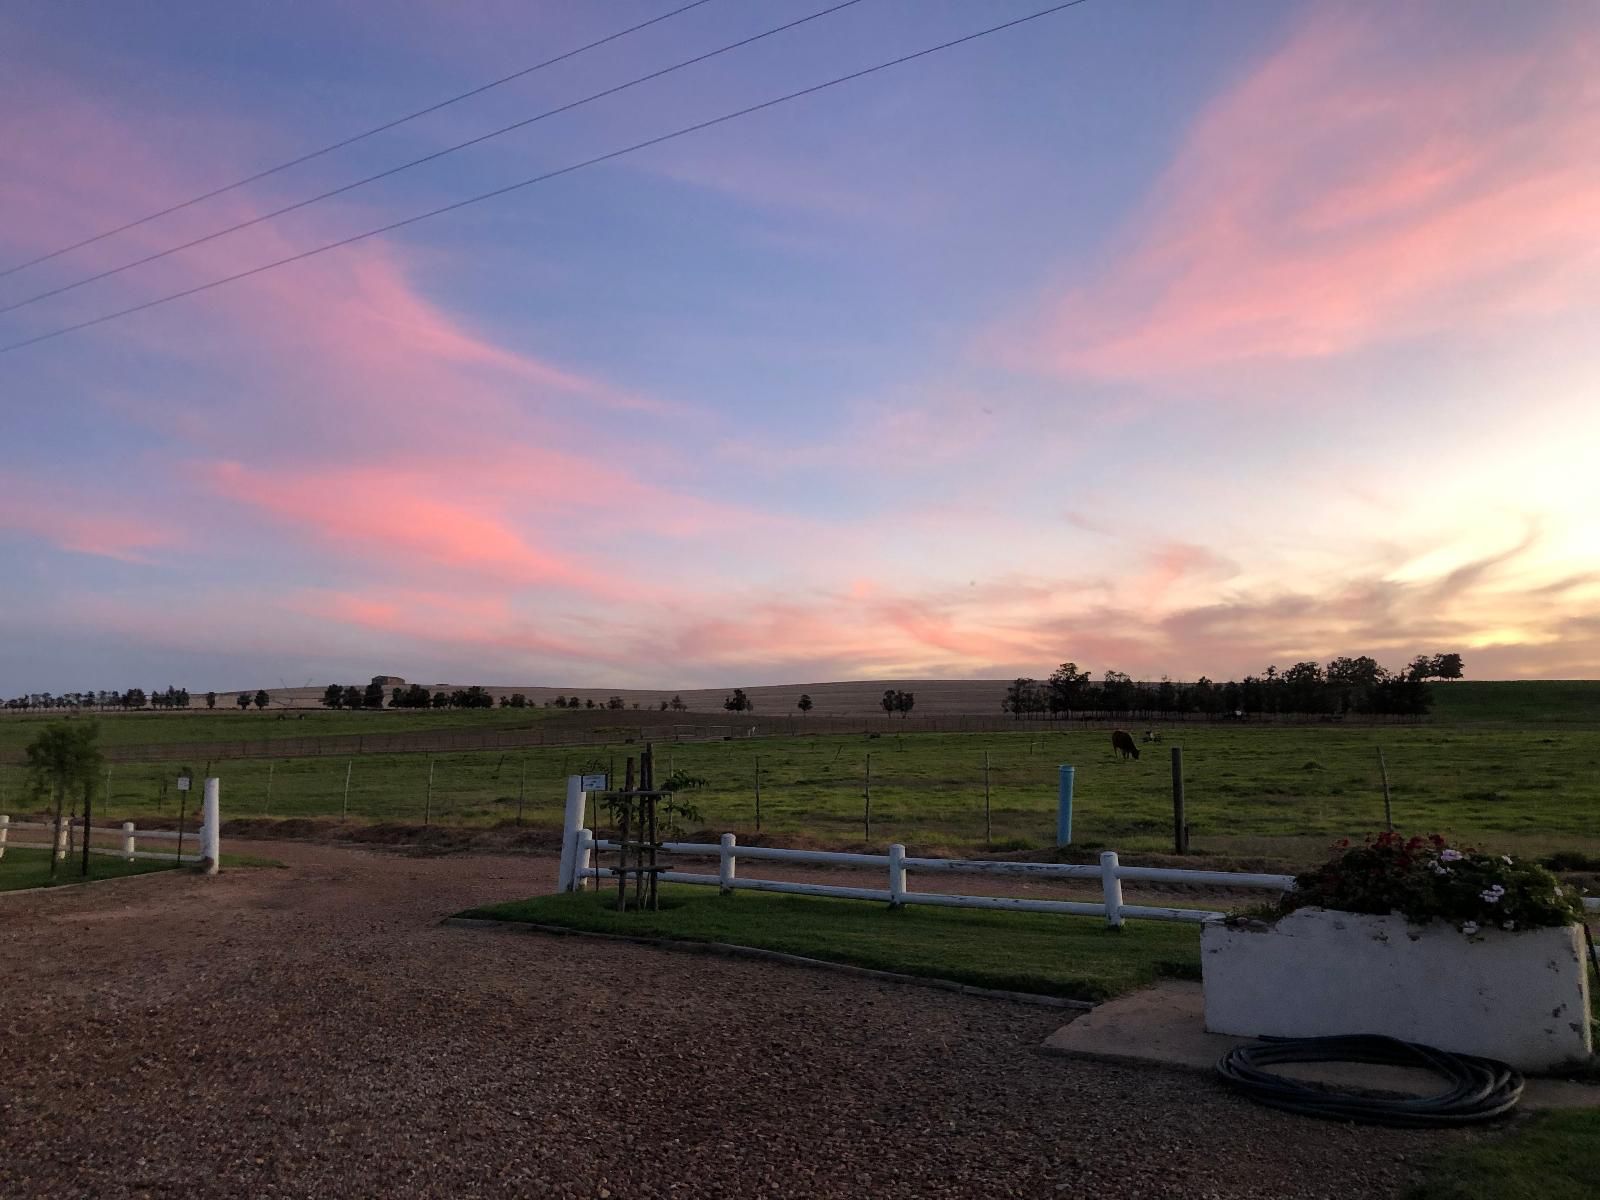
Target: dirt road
[(315, 1032)]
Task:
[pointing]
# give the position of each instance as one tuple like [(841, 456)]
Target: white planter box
[(1522, 998)]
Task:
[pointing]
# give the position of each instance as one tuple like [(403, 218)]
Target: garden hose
[(1480, 1088)]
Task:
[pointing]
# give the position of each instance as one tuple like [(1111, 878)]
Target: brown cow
[(1122, 744)]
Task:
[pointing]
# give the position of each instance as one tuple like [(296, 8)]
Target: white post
[(127, 840), (897, 875), (1111, 888), (5, 823), (61, 838), (726, 868), (569, 833), (584, 861), (211, 828)]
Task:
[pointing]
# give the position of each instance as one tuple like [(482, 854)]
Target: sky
[(1171, 338)]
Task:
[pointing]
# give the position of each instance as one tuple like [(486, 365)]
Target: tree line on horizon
[(1356, 684)]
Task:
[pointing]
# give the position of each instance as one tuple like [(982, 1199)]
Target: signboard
[(183, 783), (593, 783)]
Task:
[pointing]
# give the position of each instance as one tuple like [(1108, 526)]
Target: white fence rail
[(206, 840), (1109, 873), (578, 867)]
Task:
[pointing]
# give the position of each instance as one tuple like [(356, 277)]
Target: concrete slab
[(1164, 1026)]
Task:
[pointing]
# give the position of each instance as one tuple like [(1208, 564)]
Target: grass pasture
[(1514, 766), (1075, 957), (1270, 792)]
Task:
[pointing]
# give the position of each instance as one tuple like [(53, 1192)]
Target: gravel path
[(315, 1032)]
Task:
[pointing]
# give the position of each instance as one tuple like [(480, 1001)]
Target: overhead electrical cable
[(659, 139), (426, 158), (354, 138)]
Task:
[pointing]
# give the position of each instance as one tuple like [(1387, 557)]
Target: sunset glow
[(995, 360)]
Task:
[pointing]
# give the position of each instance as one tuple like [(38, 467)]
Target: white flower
[(1469, 927), (1492, 895), (1506, 858), (1449, 855)]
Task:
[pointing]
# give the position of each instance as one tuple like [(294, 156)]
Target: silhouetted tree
[(211, 699), (1066, 689), (242, 700), (804, 703), (333, 696), (372, 697), (738, 702), (614, 703), (677, 704)]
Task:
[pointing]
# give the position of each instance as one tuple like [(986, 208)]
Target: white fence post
[(127, 840), (569, 832), (211, 827), (725, 864), (584, 860), (1111, 888), (61, 838), (897, 875), (5, 822)]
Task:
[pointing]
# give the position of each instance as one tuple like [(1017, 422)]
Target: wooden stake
[(988, 832), (1388, 808), (1180, 827), (867, 814)]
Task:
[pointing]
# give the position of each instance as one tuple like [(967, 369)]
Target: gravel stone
[(315, 1032)]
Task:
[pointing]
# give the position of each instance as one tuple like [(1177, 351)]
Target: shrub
[(1425, 879)]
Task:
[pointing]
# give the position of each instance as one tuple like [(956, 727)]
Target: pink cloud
[(1348, 192), (102, 531)]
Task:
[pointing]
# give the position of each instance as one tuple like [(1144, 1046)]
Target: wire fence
[(997, 790)]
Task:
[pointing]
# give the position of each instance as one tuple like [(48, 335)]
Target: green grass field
[(31, 868), (1500, 771), (1075, 957), (1552, 1156), (1250, 791)]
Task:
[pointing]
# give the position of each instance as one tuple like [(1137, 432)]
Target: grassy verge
[(31, 868), (1075, 957), (1553, 1156)]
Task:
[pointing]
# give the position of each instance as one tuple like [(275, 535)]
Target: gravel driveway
[(315, 1032)]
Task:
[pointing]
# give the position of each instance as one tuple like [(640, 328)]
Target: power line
[(426, 158), (548, 175), (354, 138)]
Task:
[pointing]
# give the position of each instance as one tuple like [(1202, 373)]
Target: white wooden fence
[(1110, 874), (578, 866), (206, 840)]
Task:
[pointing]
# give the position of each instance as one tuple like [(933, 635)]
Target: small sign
[(183, 783), (593, 783)]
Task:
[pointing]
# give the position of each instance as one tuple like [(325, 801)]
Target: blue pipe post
[(1064, 808)]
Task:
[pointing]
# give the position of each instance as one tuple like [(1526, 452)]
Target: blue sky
[(1168, 338)]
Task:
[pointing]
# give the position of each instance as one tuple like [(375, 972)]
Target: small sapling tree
[(63, 756)]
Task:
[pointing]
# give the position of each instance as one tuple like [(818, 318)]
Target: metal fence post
[(1064, 808), (1111, 888), (897, 875), (569, 832), (727, 864), (127, 840)]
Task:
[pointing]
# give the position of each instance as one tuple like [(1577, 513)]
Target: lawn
[(24, 868), (1552, 1156), (31, 868), (1075, 957)]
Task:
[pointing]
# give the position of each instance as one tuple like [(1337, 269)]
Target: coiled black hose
[(1480, 1088)]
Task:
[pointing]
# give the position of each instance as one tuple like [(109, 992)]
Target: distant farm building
[(388, 681)]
